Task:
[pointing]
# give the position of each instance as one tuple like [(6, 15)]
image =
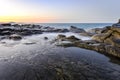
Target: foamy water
[(8, 48)]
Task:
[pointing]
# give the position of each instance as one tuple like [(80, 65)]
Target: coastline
[(34, 52), (86, 38)]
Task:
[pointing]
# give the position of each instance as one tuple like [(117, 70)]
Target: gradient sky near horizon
[(60, 11)]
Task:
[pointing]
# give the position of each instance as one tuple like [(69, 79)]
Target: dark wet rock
[(63, 30), (27, 29), (66, 44), (72, 38), (45, 38), (64, 38), (15, 37), (29, 43), (55, 30), (5, 33), (6, 24), (76, 30)]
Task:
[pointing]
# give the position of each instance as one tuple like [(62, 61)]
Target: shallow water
[(34, 58)]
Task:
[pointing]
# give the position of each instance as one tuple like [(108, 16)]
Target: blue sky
[(62, 10)]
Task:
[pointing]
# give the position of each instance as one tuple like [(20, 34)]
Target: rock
[(100, 37), (6, 24), (63, 30), (112, 50), (64, 38), (116, 42), (86, 34), (15, 37), (106, 29), (45, 38), (60, 36), (90, 42), (117, 24), (76, 30), (5, 33), (95, 30), (29, 43), (25, 33), (72, 38), (109, 35), (119, 21)]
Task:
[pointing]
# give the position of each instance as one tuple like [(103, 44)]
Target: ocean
[(80, 25)]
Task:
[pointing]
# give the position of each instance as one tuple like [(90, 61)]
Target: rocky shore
[(40, 57), (8, 29), (104, 40)]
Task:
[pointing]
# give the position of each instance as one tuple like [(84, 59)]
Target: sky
[(60, 11)]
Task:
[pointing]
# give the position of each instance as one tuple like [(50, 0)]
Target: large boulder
[(109, 35), (76, 30), (100, 37)]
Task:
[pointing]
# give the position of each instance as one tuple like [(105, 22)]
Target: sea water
[(79, 25)]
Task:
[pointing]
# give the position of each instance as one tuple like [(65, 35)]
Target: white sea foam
[(28, 44), (40, 38)]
